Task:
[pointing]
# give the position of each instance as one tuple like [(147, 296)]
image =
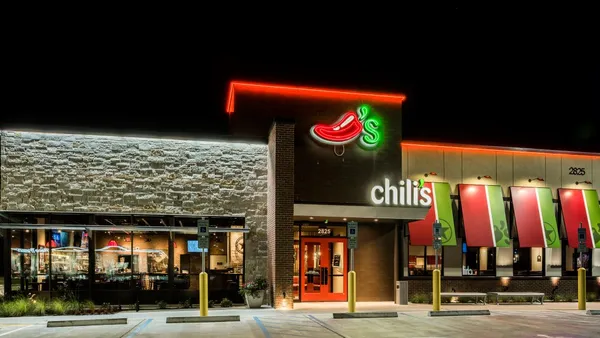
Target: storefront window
[(115, 262), (573, 260), (478, 261), (70, 259), (29, 261), (527, 261), (224, 262), (421, 260)]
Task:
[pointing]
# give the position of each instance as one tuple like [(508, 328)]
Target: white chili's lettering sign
[(405, 193)]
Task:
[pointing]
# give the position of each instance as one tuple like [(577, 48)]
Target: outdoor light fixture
[(486, 176), (582, 182), (536, 179), (430, 173)]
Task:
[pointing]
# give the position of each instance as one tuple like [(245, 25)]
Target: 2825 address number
[(576, 171)]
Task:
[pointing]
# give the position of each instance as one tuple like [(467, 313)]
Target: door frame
[(323, 296)]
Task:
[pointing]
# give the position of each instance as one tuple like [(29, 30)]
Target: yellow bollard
[(436, 289), (351, 291), (203, 294), (581, 289)]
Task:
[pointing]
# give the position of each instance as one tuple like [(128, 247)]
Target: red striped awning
[(484, 215), (421, 232), (535, 217), (581, 208)]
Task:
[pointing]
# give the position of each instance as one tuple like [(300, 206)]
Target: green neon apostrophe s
[(370, 135)]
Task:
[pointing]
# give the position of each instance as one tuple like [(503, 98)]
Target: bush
[(211, 303), (162, 304), (419, 298), (186, 304), (591, 297), (253, 288), (28, 306), (226, 303)]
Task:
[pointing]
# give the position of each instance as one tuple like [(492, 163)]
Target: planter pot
[(255, 302)]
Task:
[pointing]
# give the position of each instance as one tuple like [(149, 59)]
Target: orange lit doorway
[(323, 269)]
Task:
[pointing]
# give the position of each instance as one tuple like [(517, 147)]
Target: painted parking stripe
[(323, 324), (262, 327), (15, 330), (139, 329)]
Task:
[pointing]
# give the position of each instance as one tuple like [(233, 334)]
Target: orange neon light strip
[(495, 150), (308, 92)]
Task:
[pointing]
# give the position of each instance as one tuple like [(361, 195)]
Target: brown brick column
[(280, 214)]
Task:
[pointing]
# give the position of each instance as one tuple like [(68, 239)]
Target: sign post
[(437, 276), (581, 287), (352, 244), (203, 240)]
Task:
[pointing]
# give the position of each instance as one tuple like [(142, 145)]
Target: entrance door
[(323, 270)]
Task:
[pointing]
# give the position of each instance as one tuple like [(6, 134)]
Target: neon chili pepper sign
[(350, 127)]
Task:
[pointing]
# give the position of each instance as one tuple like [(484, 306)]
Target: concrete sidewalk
[(321, 309)]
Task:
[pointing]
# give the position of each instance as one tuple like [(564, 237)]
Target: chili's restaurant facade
[(113, 218)]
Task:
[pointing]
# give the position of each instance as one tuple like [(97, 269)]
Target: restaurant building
[(113, 218)]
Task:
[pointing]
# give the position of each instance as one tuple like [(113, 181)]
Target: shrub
[(186, 304), (162, 304), (591, 297), (56, 307), (211, 303), (226, 303), (253, 288), (419, 298)]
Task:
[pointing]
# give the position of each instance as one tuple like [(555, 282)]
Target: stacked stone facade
[(88, 173)]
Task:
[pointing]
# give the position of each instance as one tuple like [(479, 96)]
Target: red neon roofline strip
[(492, 149), (275, 89)]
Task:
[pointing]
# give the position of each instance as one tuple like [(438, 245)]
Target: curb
[(593, 312), (459, 313), (207, 319), (346, 315), (87, 322)]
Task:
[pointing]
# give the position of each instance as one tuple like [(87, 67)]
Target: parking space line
[(262, 327), (138, 329), (15, 330), (323, 324)]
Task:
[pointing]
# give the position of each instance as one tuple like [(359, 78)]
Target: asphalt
[(316, 320)]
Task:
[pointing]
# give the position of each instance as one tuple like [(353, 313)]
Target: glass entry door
[(323, 271)]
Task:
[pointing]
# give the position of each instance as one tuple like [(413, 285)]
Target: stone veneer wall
[(66, 172)]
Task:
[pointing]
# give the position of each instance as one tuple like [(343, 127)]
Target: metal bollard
[(351, 291), (203, 294), (581, 292), (436, 289)]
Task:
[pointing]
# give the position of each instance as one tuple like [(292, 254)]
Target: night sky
[(532, 92)]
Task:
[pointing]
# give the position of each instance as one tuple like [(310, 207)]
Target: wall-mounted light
[(536, 179), (583, 182), (486, 176), (430, 173), (555, 281), (505, 281)]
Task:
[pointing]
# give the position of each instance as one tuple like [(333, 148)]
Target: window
[(572, 260), (527, 261), (478, 261), (224, 260), (421, 260)]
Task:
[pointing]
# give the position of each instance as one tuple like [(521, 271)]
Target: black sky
[(524, 88)]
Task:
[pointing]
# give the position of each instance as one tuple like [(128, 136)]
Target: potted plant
[(254, 292)]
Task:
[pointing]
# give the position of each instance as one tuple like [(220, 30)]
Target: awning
[(484, 215), (421, 232), (535, 217), (581, 207)]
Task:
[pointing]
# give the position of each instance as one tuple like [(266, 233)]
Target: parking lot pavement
[(269, 323)]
